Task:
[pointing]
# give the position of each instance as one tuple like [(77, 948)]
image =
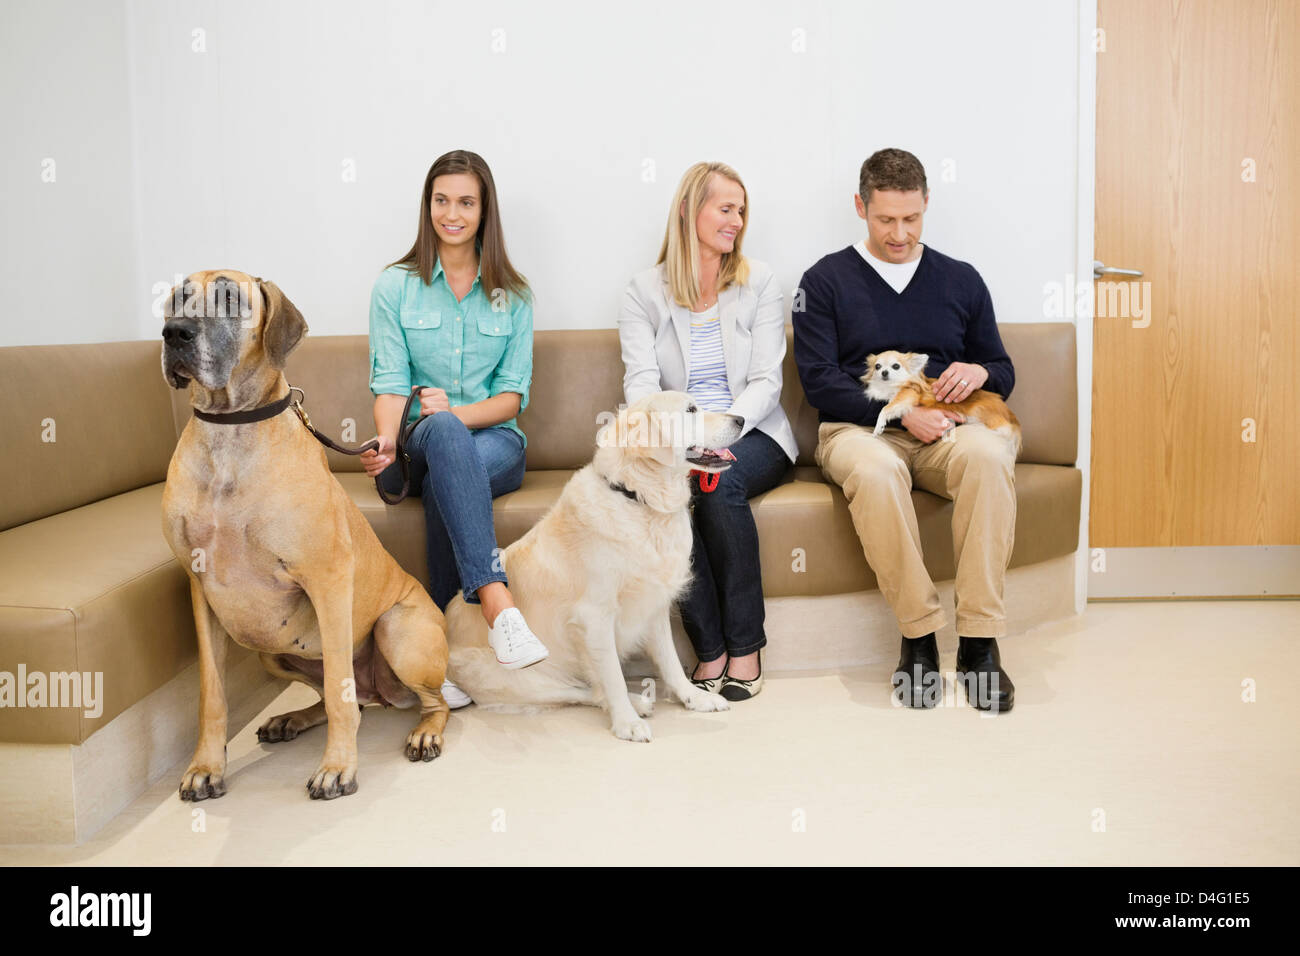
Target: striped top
[(707, 382)]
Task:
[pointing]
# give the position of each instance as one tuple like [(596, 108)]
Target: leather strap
[(403, 459), (261, 413)]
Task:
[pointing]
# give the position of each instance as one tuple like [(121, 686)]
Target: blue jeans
[(457, 472), (723, 611)]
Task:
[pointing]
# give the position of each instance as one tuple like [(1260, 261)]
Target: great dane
[(279, 557)]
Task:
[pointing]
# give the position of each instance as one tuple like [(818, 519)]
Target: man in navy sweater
[(890, 292)]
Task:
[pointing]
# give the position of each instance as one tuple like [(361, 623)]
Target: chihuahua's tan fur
[(898, 378)]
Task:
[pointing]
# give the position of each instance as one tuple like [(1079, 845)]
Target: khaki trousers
[(971, 466)]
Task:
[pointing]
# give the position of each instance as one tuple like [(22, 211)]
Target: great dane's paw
[(704, 702), (285, 726), (329, 782), (643, 705), (422, 746), (637, 730), (203, 783)]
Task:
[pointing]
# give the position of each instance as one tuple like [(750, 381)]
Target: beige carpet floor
[(1130, 743)]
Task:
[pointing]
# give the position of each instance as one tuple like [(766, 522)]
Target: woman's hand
[(376, 460), (433, 400)]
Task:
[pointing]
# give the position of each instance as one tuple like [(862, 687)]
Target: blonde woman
[(707, 321)]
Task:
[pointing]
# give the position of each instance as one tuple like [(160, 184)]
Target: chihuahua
[(898, 378)]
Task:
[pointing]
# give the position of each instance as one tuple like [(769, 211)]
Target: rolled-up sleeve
[(514, 373), (390, 364)]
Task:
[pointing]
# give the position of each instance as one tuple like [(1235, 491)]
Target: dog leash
[(403, 436), (403, 459), (708, 480), (706, 485), (263, 412)]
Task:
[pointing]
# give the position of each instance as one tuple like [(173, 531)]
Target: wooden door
[(1195, 435)]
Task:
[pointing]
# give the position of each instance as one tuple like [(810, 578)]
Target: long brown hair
[(495, 270)]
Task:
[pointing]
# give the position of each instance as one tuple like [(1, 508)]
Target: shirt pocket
[(495, 324), (421, 328), (419, 321)]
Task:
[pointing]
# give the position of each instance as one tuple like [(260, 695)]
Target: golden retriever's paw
[(704, 702), (203, 782), (643, 705), (330, 782), (637, 730)]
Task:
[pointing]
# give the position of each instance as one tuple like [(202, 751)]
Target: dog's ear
[(871, 364), (916, 364), (283, 327)]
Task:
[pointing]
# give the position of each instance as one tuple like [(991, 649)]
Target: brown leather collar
[(261, 413)]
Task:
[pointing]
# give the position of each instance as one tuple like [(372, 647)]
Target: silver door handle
[(1099, 269)]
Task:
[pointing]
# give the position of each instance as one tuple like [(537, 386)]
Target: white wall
[(68, 270), (239, 150), (173, 160)]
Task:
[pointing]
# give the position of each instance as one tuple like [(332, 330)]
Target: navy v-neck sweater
[(848, 312)]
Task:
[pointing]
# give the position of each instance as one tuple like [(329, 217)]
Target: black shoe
[(917, 681), (735, 689), (979, 667)]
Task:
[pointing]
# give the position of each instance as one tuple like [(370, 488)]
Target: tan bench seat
[(804, 512), (87, 582), (93, 589)]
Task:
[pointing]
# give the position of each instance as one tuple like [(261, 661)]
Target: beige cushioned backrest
[(578, 374), (113, 428), (1044, 398)]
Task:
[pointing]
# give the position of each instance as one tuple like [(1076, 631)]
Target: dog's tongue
[(725, 454)]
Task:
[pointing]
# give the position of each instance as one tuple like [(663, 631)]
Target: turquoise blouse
[(472, 349)]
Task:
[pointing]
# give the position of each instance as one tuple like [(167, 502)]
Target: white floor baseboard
[(1206, 572)]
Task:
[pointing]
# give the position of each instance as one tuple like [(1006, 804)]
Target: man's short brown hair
[(891, 169)]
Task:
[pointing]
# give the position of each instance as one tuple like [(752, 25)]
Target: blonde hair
[(681, 247)]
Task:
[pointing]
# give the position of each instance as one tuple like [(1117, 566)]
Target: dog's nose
[(885, 374), (739, 419), (180, 331)]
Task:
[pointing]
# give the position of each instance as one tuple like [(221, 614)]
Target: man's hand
[(928, 424), (377, 459), (948, 387), (433, 400)]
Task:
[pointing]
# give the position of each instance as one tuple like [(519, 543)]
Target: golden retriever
[(597, 575)]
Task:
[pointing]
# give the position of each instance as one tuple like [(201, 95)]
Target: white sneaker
[(454, 696), (513, 643)]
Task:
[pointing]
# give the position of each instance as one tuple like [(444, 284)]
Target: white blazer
[(655, 335)]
